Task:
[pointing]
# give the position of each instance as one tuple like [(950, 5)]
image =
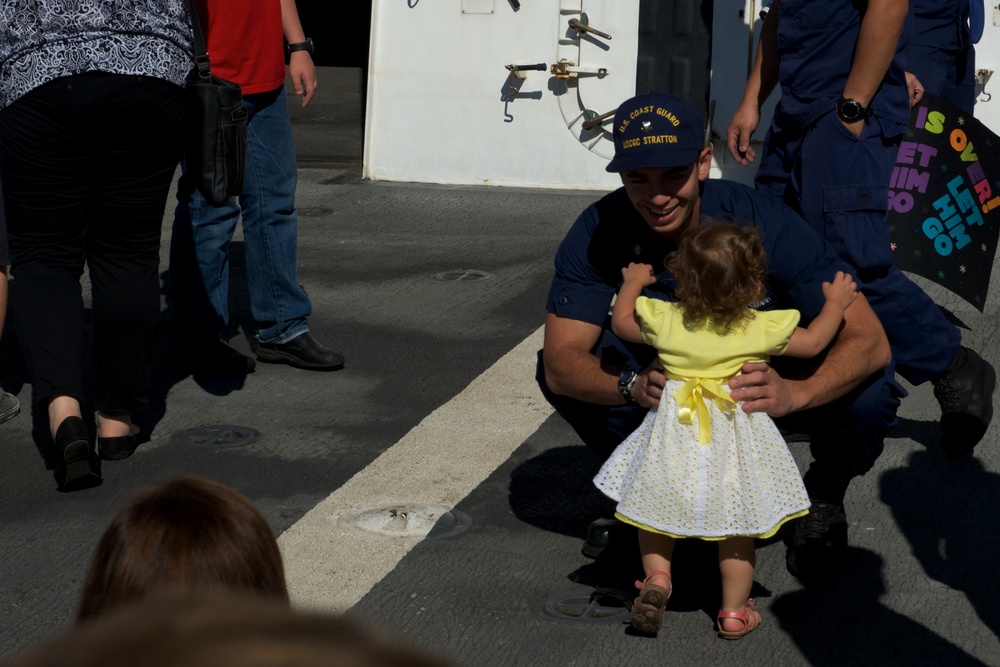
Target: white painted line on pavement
[(438, 463)]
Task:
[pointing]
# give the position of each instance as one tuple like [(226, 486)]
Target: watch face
[(850, 110)]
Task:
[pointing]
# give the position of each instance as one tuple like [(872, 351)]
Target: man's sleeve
[(578, 290)]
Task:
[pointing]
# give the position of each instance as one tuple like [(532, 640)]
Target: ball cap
[(656, 130)]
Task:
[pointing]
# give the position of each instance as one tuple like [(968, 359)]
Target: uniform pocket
[(857, 227)]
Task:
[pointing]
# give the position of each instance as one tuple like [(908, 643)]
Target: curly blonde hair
[(720, 269)]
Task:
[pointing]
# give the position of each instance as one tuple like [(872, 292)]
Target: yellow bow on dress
[(691, 401)]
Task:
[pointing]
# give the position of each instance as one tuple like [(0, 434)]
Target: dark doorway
[(675, 49), (340, 31)]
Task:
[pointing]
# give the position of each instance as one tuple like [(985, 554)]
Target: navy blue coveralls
[(839, 183), (941, 52), (846, 435)]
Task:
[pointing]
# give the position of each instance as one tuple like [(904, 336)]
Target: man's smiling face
[(667, 198)]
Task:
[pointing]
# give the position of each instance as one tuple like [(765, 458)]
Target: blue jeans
[(199, 249)]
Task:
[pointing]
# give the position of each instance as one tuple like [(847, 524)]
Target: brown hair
[(188, 533), (719, 270), (221, 629)]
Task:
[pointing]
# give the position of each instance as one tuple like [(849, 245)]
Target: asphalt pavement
[(435, 294)]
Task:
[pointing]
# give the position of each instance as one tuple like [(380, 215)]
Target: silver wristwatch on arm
[(626, 380)]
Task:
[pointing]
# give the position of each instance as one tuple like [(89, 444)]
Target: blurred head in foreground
[(219, 630), (188, 533)]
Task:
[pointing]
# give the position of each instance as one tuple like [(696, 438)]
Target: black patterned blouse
[(42, 40)]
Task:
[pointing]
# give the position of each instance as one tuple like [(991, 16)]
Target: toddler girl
[(699, 466)]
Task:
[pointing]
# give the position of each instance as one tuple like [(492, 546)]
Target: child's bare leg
[(647, 610), (736, 563), (657, 551)]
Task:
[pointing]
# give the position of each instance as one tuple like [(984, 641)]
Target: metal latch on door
[(567, 69), (582, 25)]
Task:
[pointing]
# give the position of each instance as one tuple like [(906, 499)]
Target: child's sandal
[(647, 610), (750, 618)]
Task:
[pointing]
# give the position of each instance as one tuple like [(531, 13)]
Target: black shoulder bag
[(216, 141)]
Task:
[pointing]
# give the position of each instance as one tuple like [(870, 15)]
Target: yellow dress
[(698, 466)]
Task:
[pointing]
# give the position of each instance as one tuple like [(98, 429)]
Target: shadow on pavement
[(843, 622), (170, 364), (947, 512), (554, 491), (924, 432)]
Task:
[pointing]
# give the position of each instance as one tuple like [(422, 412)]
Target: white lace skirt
[(744, 482)]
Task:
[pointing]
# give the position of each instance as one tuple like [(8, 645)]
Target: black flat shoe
[(77, 464), (118, 447)]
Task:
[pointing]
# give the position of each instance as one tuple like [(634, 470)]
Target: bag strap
[(201, 58)]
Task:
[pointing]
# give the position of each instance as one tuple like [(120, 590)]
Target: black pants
[(87, 163)]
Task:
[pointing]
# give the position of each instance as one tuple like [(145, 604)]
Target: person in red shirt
[(247, 41)]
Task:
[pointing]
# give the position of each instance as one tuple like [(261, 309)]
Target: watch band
[(301, 46), (626, 380)]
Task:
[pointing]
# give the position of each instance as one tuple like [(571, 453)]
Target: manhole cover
[(602, 605), (216, 436), (404, 521), (463, 276)]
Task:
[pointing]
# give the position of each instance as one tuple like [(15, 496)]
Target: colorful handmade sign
[(944, 199)]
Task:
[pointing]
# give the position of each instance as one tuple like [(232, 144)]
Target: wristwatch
[(851, 111), (626, 380), (300, 46)]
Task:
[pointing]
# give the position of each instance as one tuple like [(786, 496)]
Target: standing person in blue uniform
[(246, 42), (942, 54), (829, 154), (603, 386)]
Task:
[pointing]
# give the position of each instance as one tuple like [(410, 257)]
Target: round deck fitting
[(405, 521)]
